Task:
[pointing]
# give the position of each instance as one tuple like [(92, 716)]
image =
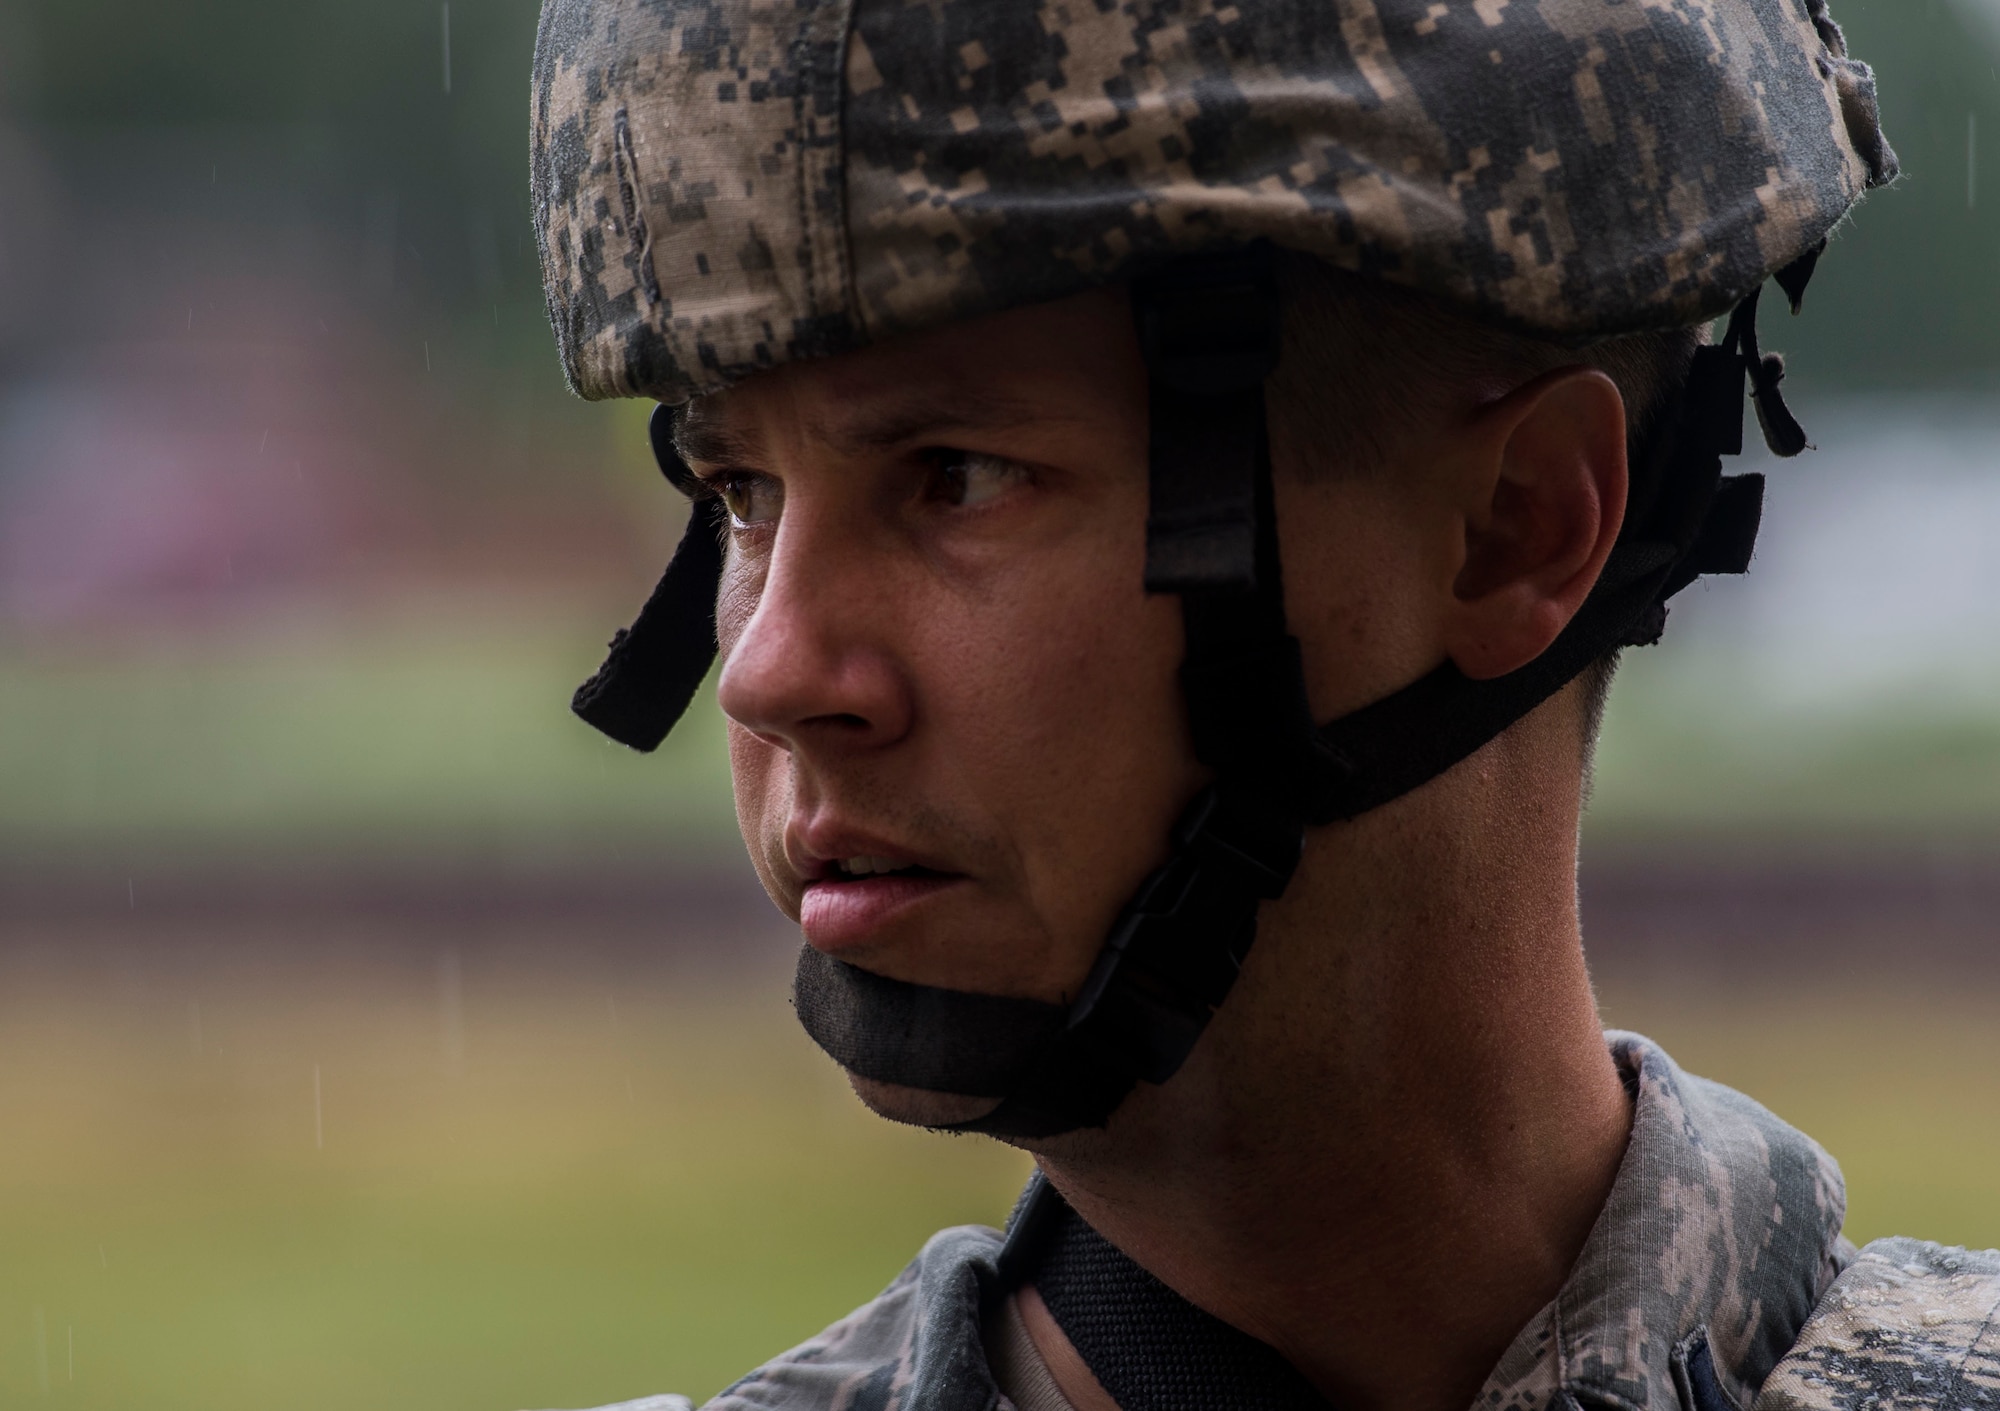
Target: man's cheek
[(763, 800), (735, 600)]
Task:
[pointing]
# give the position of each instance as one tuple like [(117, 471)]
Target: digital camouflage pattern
[(1722, 1220), (724, 185), (1722, 1230), (1910, 1325)]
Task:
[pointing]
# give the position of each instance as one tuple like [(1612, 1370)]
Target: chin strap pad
[(919, 1036)]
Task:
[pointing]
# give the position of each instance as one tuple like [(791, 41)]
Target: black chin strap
[(1209, 328)]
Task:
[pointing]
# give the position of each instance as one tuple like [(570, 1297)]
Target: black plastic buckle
[(1174, 955)]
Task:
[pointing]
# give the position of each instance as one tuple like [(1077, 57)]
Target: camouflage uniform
[(1696, 1291)]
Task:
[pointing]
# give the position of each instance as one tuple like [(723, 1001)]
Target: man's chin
[(918, 1107)]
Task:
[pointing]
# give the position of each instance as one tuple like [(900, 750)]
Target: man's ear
[(1544, 495)]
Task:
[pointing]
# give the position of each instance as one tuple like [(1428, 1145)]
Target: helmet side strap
[(657, 664)]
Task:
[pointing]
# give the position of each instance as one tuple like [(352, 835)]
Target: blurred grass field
[(590, 1187), (1897, 1075), (435, 731), (446, 732)]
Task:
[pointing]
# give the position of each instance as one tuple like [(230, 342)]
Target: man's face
[(939, 658), (956, 729)]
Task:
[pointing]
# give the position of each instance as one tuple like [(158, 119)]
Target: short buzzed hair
[(1364, 358)]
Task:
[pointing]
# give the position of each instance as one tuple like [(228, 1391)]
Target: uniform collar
[(1722, 1221)]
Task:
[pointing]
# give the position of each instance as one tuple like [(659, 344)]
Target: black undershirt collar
[(1149, 1348)]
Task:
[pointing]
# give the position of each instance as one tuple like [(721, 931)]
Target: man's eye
[(751, 499), (968, 478)]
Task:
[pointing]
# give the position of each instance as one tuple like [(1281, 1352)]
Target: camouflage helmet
[(724, 186), (721, 187)]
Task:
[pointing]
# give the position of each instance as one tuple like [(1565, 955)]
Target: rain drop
[(451, 1009), (1971, 161)]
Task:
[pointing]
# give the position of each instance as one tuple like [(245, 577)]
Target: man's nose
[(815, 664)]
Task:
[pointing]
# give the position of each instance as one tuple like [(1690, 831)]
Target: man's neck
[(1386, 1154)]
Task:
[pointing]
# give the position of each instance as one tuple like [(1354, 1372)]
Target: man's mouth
[(848, 869), (847, 904)]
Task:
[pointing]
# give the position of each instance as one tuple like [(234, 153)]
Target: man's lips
[(837, 912)]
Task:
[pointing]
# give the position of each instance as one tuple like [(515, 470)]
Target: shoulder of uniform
[(919, 1337), (1910, 1325)]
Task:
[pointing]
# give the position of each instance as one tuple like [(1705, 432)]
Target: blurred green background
[(371, 1033)]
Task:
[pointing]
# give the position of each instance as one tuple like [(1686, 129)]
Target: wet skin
[(938, 652), (939, 660)]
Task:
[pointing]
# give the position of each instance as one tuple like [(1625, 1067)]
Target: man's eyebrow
[(706, 441), (932, 413), (709, 443)]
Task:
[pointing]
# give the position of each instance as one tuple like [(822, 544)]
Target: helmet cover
[(727, 185)]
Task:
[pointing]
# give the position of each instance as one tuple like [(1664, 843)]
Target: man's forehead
[(729, 426), (1049, 362)]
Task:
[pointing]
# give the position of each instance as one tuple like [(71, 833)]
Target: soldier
[(1175, 474)]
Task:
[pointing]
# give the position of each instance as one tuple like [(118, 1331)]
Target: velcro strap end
[(1782, 432), (657, 664), (1729, 534)]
